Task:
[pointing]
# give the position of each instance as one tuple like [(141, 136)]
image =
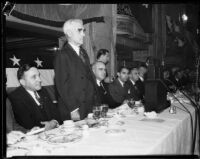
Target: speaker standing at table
[(74, 79)]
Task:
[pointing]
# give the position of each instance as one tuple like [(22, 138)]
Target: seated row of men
[(30, 105), (177, 78)]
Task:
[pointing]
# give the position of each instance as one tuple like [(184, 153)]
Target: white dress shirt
[(132, 82), (122, 83), (98, 82), (141, 78), (33, 95), (76, 48)]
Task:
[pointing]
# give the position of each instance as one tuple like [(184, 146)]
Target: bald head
[(74, 31), (99, 70)]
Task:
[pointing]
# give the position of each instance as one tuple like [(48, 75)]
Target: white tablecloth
[(172, 136)]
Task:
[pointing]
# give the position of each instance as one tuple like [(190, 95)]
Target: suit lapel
[(119, 86), (32, 106)]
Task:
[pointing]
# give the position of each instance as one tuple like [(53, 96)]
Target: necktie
[(38, 98), (81, 55), (103, 87)]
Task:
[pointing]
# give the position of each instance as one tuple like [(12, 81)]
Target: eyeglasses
[(81, 29)]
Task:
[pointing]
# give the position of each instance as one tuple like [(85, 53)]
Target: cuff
[(74, 110)]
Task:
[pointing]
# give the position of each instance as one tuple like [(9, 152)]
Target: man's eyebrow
[(79, 29)]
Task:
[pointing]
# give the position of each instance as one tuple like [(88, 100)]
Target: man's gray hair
[(69, 24)]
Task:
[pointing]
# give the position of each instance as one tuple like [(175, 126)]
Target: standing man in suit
[(73, 76), (32, 105), (118, 89), (134, 91), (104, 97)]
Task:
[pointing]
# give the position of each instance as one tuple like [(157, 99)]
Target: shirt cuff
[(57, 124), (75, 110)]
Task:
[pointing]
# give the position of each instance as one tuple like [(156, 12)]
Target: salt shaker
[(172, 110)]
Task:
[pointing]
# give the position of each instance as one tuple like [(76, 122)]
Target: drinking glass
[(104, 110), (96, 112), (131, 103)]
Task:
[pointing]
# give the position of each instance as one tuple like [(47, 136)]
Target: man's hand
[(75, 116), (50, 124), (125, 101)]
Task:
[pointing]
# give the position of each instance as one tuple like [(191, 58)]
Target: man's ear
[(118, 74), (69, 33), (22, 82)]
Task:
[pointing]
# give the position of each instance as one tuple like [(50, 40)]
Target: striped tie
[(81, 55), (38, 98)]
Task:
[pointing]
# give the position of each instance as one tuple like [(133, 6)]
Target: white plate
[(63, 139), (46, 136), (115, 131)]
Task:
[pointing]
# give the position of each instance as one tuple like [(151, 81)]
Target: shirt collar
[(132, 82), (121, 82), (76, 48), (98, 82), (30, 92), (141, 78)]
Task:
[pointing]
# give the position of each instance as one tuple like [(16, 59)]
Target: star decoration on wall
[(15, 61), (145, 5), (39, 63)]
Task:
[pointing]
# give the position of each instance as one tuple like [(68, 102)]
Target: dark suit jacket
[(178, 83), (74, 82), (105, 97), (26, 111), (11, 123), (118, 93), (141, 87), (134, 91)]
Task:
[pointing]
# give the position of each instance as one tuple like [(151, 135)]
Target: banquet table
[(166, 134)]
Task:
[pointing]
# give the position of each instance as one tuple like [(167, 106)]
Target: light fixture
[(8, 8), (184, 17)]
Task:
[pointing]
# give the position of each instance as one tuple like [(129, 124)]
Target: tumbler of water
[(104, 110), (131, 103), (96, 112)]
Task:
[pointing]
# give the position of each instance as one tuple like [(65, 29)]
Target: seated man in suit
[(140, 82), (103, 56), (177, 79), (134, 91), (32, 106), (118, 89), (167, 81), (104, 97)]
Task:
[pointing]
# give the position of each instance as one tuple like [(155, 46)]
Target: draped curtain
[(98, 34)]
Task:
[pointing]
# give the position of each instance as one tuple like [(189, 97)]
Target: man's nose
[(39, 79), (82, 33)]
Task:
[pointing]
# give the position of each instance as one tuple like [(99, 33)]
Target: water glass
[(96, 112), (104, 110), (131, 103)]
